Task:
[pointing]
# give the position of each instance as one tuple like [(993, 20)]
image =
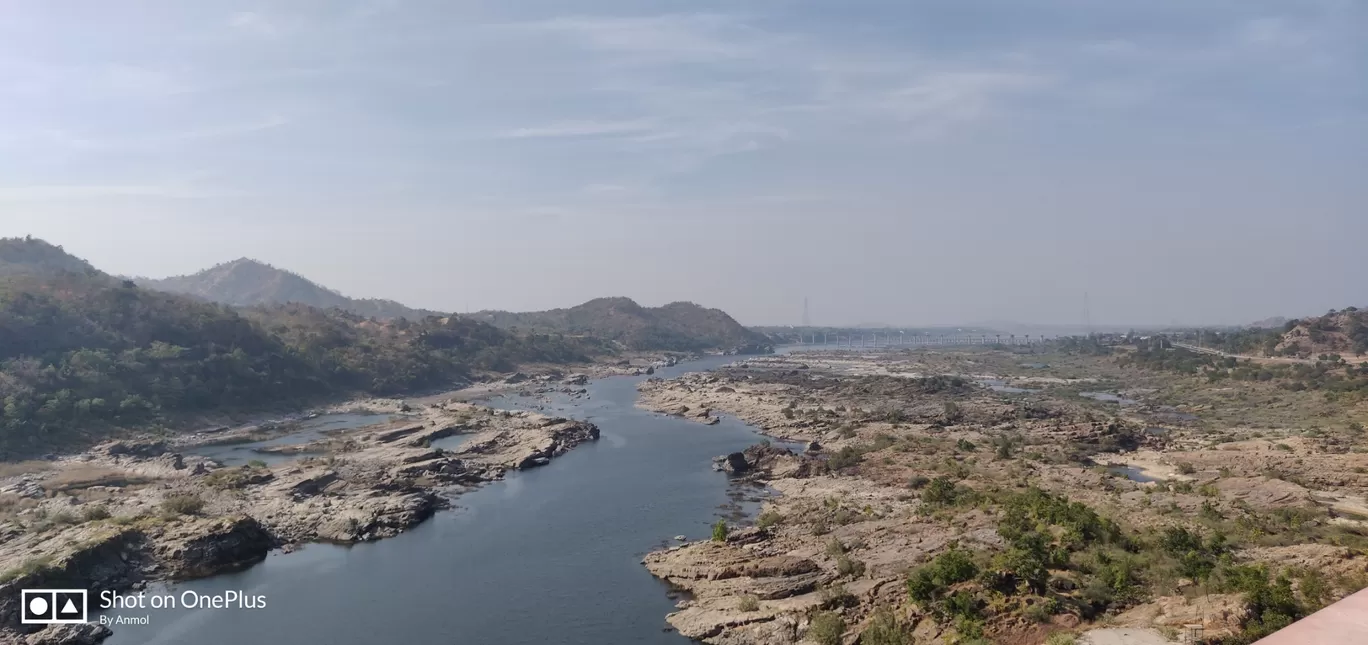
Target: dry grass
[(86, 476), (16, 468)]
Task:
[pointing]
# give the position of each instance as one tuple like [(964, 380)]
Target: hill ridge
[(679, 326), (247, 282)]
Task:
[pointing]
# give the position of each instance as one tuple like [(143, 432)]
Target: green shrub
[(256, 463), (1041, 612), (1061, 638), (64, 517), (29, 567), (848, 566), (826, 628), (930, 581), (846, 457), (885, 629), (748, 603), (95, 513), (769, 519), (186, 504), (1186, 468), (837, 596)]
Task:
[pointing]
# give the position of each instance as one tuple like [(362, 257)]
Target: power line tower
[(807, 321)]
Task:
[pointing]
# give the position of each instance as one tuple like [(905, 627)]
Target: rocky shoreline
[(856, 511), (129, 513)]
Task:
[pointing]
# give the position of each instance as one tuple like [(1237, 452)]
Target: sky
[(940, 161)]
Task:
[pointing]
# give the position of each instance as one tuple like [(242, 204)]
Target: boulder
[(734, 463), (136, 449), (207, 547)]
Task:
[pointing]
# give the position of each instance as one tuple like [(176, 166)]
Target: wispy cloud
[(573, 129)]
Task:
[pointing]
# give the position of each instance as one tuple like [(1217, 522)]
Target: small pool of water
[(237, 454), (1108, 397), (998, 385), (1132, 473), (452, 443)]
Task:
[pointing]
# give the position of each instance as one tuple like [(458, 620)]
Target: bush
[(940, 492), (846, 457), (748, 603), (769, 519), (29, 567), (848, 566), (256, 463), (885, 629), (1060, 638), (826, 628), (928, 582), (837, 596), (95, 513), (64, 517), (719, 531), (189, 504), (1040, 612)]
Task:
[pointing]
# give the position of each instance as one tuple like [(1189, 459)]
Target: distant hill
[(1275, 322), (1338, 332), (678, 326), (29, 256), (248, 283), (84, 356)]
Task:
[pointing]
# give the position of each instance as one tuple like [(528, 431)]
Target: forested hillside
[(83, 355)]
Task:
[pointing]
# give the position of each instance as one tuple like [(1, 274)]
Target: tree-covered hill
[(83, 356)]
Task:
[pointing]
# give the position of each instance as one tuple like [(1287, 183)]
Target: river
[(550, 555)]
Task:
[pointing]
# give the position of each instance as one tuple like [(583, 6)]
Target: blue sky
[(913, 162)]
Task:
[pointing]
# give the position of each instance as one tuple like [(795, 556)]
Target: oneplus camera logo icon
[(53, 606)]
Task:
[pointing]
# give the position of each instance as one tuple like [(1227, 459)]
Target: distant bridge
[(884, 340)]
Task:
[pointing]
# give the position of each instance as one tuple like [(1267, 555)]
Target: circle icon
[(38, 605)]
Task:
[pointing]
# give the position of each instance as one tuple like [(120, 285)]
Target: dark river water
[(551, 555)]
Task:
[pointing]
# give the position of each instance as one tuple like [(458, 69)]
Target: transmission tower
[(807, 321)]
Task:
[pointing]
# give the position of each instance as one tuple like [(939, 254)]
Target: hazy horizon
[(952, 162)]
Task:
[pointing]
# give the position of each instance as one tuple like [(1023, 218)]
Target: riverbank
[(916, 457), (128, 513)]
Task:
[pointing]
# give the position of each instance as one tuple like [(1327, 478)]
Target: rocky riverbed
[(908, 458), (130, 512)]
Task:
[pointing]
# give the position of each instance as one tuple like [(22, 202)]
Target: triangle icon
[(69, 607)]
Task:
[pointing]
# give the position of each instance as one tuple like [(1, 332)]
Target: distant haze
[(950, 161)]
